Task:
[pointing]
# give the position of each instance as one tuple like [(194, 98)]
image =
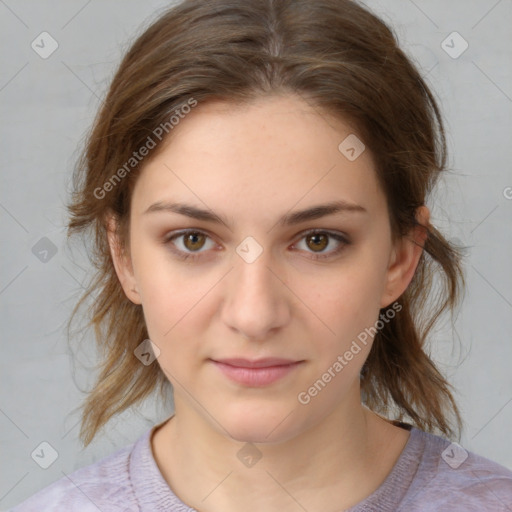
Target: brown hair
[(344, 61)]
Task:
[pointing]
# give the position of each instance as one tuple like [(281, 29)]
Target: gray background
[(48, 104)]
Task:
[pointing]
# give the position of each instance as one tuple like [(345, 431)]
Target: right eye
[(192, 240)]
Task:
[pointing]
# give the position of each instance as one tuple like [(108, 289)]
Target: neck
[(332, 465)]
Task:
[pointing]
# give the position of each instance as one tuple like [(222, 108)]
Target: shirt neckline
[(153, 493), (151, 490), (390, 493)]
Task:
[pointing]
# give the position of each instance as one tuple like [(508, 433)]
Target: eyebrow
[(289, 219)]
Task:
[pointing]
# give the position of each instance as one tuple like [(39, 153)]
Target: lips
[(256, 363), (256, 373)]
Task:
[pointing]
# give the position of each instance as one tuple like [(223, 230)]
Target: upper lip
[(256, 363)]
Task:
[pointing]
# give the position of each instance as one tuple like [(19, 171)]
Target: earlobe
[(404, 261), (122, 262)]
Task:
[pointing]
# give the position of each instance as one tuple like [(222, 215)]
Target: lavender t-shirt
[(431, 474)]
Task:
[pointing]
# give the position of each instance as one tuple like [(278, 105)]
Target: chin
[(271, 425)]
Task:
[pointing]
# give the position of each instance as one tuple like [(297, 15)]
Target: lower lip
[(256, 377)]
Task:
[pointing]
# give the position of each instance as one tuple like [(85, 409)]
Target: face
[(263, 282)]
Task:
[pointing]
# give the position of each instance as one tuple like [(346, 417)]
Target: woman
[(256, 182)]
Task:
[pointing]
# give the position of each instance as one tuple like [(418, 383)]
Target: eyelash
[(184, 256)]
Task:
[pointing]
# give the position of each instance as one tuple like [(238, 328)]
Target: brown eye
[(319, 241), (194, 241), (316, 242), (188, 244)]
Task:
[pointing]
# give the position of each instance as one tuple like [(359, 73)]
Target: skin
[(252, 165)]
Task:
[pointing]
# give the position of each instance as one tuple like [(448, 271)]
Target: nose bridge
[(257, 297), (253, 275)]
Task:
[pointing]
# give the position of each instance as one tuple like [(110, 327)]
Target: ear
[(122, 261), (404, 259)]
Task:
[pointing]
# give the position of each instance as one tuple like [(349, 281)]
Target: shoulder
[(104, 485), (453, 478)]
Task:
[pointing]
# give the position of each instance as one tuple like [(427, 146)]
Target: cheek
[(172, 307), (174, 317), (348, 305), (350, 295), (163, 288), (174, 298)]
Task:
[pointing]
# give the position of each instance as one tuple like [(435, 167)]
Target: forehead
[(260, 158)]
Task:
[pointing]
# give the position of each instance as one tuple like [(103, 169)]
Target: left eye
[(320, 239), (192, 241)]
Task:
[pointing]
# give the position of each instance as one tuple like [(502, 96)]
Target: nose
[(256, 298)]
